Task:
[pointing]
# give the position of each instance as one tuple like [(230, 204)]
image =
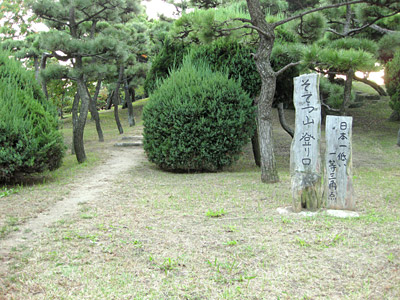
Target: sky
[(155, 7)]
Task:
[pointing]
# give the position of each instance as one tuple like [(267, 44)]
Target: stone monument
[(338, 163), (305, 159)]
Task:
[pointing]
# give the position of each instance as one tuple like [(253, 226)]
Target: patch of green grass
[(4, 191), (168, 264), (230, 228), (11, 225), (286, 220), (88, 216), (301, 242), (231, 243), (390, 257), (215, 213), (364, 88)]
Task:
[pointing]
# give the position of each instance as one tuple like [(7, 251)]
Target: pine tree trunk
[(128, 100), (347, 91), (43, 62), (394, 116), (94, 112), (269, 173), (398, 138), (282, 120), (116, 116), (75, 106), (37, 70), (61, 113), (79, 127), (110, 100), (255, 143)]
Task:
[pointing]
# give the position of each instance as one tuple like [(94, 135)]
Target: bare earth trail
[(92, 188)]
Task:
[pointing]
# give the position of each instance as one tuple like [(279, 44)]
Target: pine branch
[(278, 23), (89, 17), (325, 72), (248, 27), (243, 20), (97, 55), (60, 57), (243, 26), (330, 108), (372, 84), (335, 32), (53, 20), (335, 22), (381, 29), (354, 31), (293, 64)]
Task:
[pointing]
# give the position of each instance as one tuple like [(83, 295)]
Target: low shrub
[(197, 120), (29, 137)]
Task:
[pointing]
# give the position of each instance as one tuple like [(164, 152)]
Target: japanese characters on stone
[(308, 119), (305, 159), (338, 187)]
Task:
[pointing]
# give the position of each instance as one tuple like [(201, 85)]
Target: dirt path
[(91, 188)]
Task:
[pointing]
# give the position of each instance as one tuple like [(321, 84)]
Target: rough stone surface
[(330, 212), (135, 144), (305, 159), (338, 163), (132, 138), (342, 213)]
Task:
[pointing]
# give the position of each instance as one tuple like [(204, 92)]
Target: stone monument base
[(328, 212)]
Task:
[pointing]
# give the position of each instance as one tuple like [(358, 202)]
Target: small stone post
[(305, 159), (338, 163)]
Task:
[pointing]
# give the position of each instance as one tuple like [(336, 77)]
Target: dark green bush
[(237, 60), (197, 120), (231, 57), (388, 45), (170, 56), (29, 137)]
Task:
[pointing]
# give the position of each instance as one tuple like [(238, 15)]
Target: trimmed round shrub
[(197, 120), (29, 137)]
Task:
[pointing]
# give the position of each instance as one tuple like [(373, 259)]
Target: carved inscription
[(305, 161), (338, 163)]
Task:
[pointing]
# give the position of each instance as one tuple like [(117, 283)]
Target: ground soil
[(129, 230), (86, 188)]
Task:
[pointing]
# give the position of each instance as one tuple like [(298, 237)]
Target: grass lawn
[(159, 235)]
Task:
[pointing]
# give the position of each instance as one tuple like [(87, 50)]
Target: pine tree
[(69, 39)]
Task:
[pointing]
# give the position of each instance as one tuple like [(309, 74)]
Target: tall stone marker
[(305, 159), (338, 163)]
